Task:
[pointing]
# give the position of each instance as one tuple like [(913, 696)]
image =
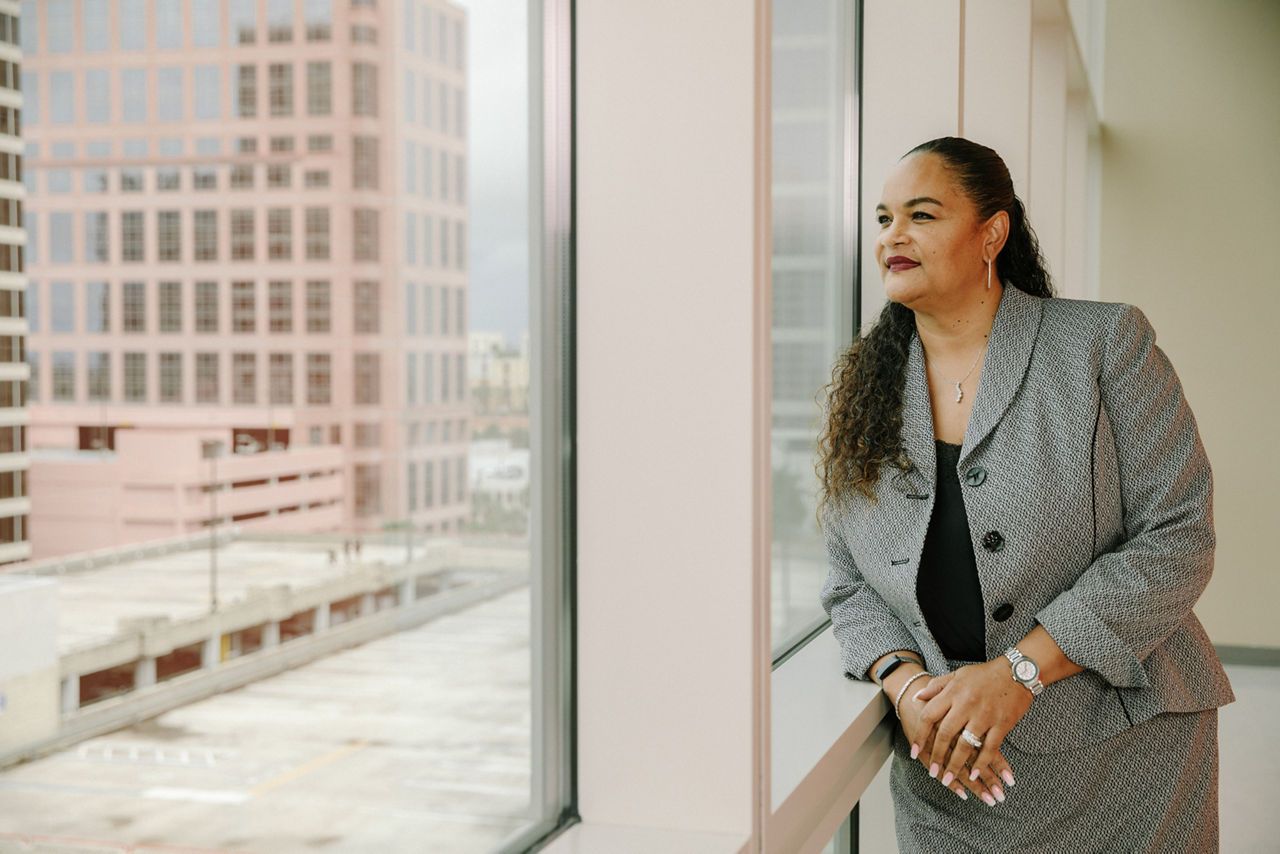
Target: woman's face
[(931, 246)]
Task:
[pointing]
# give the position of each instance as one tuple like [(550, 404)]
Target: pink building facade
[(249, 219)]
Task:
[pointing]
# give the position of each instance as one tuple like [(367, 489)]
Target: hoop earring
[(988, 274)]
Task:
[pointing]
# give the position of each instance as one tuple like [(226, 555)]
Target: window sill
[(586, 838)]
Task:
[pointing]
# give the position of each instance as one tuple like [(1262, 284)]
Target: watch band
[(1025, 670), (892, 664)]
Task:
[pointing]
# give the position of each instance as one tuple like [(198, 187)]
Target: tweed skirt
[(1152, 788)]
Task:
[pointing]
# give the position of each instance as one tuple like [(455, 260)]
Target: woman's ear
[(996, 233)]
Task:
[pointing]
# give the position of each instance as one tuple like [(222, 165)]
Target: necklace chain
[(956, 383)]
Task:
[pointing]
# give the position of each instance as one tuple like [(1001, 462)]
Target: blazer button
[(975, 475), (992, 541), (1002, 613)]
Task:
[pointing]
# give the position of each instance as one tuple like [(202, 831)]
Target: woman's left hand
[(982, 698)]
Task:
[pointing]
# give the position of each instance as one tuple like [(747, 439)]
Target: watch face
[(1025, 670)]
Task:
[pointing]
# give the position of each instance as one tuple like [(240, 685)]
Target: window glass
[(133, 24), (60, 25), (97, 95), (242, 20), (97, 317), (319, 17), (30, 29), (280, 20), (168, 24), (208, 94), (62, 307), (813, 268), (60, 238), (30, 98), (169, 94), (97, 25), (206, 24), (133, 90), (62, 107)]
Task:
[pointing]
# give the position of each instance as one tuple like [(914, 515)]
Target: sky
[(498, 177)]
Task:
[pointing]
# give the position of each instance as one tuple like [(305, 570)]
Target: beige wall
[(1190, 224)]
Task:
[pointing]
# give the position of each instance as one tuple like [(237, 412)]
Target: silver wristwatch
[(1025, 671)]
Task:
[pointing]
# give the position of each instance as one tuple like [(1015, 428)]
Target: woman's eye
[(921, 215), (883, 219)]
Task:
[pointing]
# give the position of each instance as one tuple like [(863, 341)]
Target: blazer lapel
[(1013, 336), (917, 419)]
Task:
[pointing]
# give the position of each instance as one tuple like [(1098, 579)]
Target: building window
[(364, 166), (319, 17), (97, 307), (208, 92), (281, 378), (97, 96), (244, 377), (316, 178), (96, 243), (368, 435), (280, 306), (205, 23), (411, 237), (428, 379), (133, 94), (281, 144), (428, 172), (170, 307), (460, 304), (279, 176), (169, 235), (169, 94), (367, 378), (243, 21), (317, 234), (134, 318), (131, 181), (206, 235), (428, 310), (411, 486), (366, 308), (444, 242), (444, 378), (363, 34), (204, 178), (444, 311), (444, 480), (206, 306), (364, 89), (34, 383), (171, 378), (279, 21), (168, 24), (280, 88), (242, 176), (135, 377), (168, 179), (410, 308), (206, 377), (62, 104), (428, 240), (244, 307), (368, 489), (280, 234), (247, 91), (320, 142), (318, 306), (64, 376), (366, 234), (319, 88), (410, 96), (242, 235), (319, 378), (429, 483), (411, 378), (132, 237), (60, 238)]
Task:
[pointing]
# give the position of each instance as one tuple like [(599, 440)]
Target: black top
[(947, 586)]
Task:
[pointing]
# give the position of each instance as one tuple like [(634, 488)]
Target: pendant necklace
[(959, 390)]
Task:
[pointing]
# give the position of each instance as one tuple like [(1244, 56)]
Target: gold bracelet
[(904, 690)]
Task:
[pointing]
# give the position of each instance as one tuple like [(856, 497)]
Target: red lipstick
[(898, 264)]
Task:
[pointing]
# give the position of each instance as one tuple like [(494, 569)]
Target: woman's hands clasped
[(980, 699)]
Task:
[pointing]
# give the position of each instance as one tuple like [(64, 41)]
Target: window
[(62, 306), (168, 179), (169, 94), (460, 304), (428, 172), (410, 94), (444, 242), (171, 307), (244, 308), (281, 378), (58, 25), (428, 378), (319, 378), (206, 235), (97, 307), (411, 167), (134, 315), (169, 235), (411, 238), (281, 144), (206, 377), (444, 176), (247, 91), (367, 308), (364, 89), (410, 308), (319, 88), (279, 176), (205, 23), (317, 234), (365, 163), (135, 377), (428, 102), (444, 379), (318, 306), (280, 20), (242, 235), (133, 91), (33, 384), (368, 488), (64, 376), (411, 378), (96, 29), (319, 17), (97, 95), (132, 238), (58, 180), (169, 24), (280, 234), (243, 21), (208, 91), (244, 377), (96, 243), (131, 180), (429, 484), (368, 435), (320, 142), (366, 234), (460, 250), (171, 378), (317, 178), (363, 34), (242, 178), (62, 105), (280, 91), (246, 145), (206, 306), (367, 378), (411, 486), (204, 178), (280, 306), (31, 98), (428, 310)]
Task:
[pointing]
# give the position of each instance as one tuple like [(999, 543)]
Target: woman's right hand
[(920, 736)]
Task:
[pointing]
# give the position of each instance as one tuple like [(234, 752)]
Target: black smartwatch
[(891, 664)]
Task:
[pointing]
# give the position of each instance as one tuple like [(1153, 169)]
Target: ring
[(972, 739)]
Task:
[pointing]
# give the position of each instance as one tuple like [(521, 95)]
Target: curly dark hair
[(862, 430)]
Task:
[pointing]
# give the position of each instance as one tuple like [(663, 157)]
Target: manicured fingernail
[(916, 695), (998, 792), (947, 778), (964, 796), (988, 800), (974, 775), (915, 751), (934, 769), (1007, 776)]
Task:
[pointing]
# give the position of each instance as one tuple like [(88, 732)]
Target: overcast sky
[(498, 122)]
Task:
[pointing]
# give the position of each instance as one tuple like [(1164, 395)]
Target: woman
[(1018, 512)]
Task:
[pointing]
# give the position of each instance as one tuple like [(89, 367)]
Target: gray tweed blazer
[(1089, 499)]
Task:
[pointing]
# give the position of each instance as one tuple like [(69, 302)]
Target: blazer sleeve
[(863, 623), (1130, 599)]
